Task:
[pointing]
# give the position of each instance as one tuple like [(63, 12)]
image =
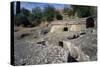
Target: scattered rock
[(45, 31), (73, 37), (24, 34), (82, 32), (48, 55), (42, 42)]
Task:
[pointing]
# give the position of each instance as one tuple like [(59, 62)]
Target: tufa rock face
[(75, 51), (71, 48)]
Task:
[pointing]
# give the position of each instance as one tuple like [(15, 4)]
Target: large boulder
[(88, 44), (75, 51)]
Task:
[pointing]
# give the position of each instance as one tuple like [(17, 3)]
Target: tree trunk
[(17, 7)]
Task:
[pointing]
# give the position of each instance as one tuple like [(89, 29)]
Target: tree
[(49, 13), (36, 16), (70, 12), (58, 15), (25, 11), (17, 7), (21, 19), (82, 11), (66, 10)]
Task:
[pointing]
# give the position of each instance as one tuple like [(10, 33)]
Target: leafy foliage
[(49, 13), (17, 7), (58, 16), (80, 11), (83, 11), (21, 19), (36, 16), (69, 11), (25, 11)]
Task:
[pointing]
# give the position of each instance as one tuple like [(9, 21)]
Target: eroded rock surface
[(42, 47)]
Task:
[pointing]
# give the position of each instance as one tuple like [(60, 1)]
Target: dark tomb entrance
[(60, 43), (65, 29), (89, 22)]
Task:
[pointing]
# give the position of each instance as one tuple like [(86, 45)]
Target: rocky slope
[(38, 46)]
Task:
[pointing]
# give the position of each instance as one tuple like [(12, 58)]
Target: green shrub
[(26, 12), (21, 19), (59, 16), (36, 16), (80, 11), (49, 13), (83, 11), (69, 11)]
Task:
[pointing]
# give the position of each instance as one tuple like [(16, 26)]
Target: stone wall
[(78, 27), (57, 28), (73, 27)]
